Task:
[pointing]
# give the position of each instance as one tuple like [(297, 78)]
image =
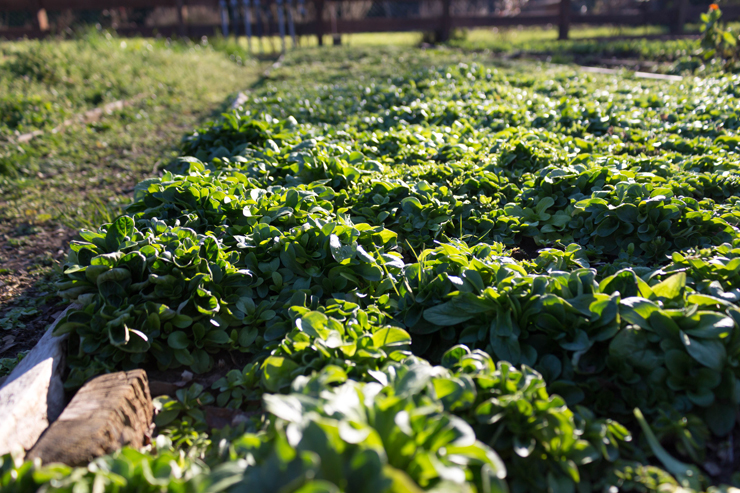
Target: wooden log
[(32, 396), (107, 413)]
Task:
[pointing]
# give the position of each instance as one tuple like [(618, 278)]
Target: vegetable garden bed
[(453, 278)]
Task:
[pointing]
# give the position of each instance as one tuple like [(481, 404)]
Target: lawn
[(410, 269)]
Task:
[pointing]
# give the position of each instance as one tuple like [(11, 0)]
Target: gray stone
[(32, 396)]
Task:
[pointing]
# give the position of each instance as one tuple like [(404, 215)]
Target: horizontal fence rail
[(292, 18)]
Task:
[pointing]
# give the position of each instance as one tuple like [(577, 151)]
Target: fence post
[(182, 18), (247, 24), (224, 18), (564, 19), (234, 18), (335, 36), (291, 25), (681, 9), (259, 24), (445, 22), (42, 20), (281, 24), (319, 4)]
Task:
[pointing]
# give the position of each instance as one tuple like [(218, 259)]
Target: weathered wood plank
[(107, 413), (32, 396), (642, 75), (92, 115)]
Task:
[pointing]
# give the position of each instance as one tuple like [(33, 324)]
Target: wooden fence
[(560, 14)]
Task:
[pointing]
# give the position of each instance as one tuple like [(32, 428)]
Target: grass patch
[(82, 176)]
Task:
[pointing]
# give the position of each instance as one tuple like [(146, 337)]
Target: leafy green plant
[(8, 364), (385, 436), (563, 247), (716, 39), (127, 470), (188, 402), (511, 410)]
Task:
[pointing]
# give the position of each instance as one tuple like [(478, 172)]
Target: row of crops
[(457, 278)]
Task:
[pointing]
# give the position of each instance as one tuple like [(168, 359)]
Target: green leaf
[(121, 229), (202, 361), (729, 38), (672, 287), (543, 204), (446, 314), (318, 486), (247, 336), (709, 325), (454, 355), (217, 337), (178, 340), (560, 484), (709, 352), (411, 205), (664, 325), (314, 324), (341, 253), (688, 476), (181, 321), (400, 481), (392, 338), (633, 347), (637, 311), (277, 373), (184, 357), (169, 409), (720, 417), (506, 349), (138, 342)]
